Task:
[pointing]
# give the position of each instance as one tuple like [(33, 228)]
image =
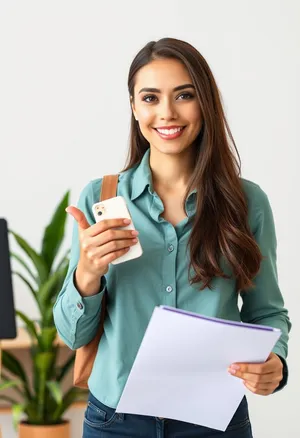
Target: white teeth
[(169, 131)]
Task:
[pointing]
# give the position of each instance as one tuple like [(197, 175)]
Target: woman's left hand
[(260, 378)]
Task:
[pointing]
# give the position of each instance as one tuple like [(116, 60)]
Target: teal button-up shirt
[(160, 277)]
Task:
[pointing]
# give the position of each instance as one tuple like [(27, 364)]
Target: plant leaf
[(74, 394), (27, 283), (65, 259), (31, 410), (29, 326), (18, 388), (23, 263), (36, 259), (44, 277), (5, 384), (52, 287), (47, 337), (44, 361), (54, 232), (55, 391), (48, 319), (17, 411), (13, 365)]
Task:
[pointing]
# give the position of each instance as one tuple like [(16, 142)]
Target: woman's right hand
[(100, 244)]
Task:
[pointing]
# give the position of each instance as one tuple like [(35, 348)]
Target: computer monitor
[(7, 310)]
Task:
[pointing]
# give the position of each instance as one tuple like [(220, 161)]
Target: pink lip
[(172, 136)]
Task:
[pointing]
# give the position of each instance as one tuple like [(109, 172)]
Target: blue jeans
[(100, 421)]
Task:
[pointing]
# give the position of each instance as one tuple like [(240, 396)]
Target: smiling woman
[(170, 109), (207, 236), (185, 98)]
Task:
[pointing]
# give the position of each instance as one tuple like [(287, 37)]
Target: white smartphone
[(115, 208)]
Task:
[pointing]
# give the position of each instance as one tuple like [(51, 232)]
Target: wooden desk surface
[(22, 341)]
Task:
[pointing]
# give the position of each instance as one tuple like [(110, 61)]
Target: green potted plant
[(41, 398)]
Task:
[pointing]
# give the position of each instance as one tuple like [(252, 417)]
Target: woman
[(183, 188)]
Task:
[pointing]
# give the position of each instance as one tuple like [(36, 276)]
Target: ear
[(133, 108)]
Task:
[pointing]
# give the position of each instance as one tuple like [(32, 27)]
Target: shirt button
[(170, 248), (169, 289), (79, 305)]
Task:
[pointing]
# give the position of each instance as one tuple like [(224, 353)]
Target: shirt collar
[(143, 178)]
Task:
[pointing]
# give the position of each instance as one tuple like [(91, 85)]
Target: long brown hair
[(220, 225)]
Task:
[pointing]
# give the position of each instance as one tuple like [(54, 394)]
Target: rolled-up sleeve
[(264, 304), (77, 318)]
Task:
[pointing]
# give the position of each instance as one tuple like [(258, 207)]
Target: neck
[(171, 172)]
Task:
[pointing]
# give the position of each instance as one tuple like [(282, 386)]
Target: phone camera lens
[(99, 213)]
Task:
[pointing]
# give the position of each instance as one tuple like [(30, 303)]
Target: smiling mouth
[(172, 131), (170, 134)]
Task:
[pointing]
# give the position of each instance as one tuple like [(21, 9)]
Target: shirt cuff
[(85, 305)]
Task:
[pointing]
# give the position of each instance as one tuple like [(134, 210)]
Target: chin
[(170, 149)]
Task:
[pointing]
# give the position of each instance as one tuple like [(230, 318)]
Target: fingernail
[(126, 221), (234, 367), (67, 209)]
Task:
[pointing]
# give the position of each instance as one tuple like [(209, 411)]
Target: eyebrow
[(156, 90)]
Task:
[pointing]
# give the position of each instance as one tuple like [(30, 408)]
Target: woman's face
[(166, 106)]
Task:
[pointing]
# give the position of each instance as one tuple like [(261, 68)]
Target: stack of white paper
[(180, 371)]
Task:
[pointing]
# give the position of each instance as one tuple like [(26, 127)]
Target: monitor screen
[(7, 311)]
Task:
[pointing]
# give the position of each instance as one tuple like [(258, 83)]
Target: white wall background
[(64, 115)]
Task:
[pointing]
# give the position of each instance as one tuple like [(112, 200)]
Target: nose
[(167, 110)]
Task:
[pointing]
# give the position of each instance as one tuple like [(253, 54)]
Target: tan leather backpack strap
[(85, 355), (109, 187), (108, 190)]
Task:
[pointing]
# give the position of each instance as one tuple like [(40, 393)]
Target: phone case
[(115, 208)]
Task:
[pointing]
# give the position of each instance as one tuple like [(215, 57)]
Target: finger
[(107, 224), (255, 378), (270, 365), (110, 257), (79, 216), (113, 246), (252, 368), (262, 386), (113, 234), (261, 390)]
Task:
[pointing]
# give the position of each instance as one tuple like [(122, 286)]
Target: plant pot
[(54, 431)]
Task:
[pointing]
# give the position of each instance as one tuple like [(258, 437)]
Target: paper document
[(180, 371)]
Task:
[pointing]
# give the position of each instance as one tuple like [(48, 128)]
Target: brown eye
[(187, 96), (149, 98)]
